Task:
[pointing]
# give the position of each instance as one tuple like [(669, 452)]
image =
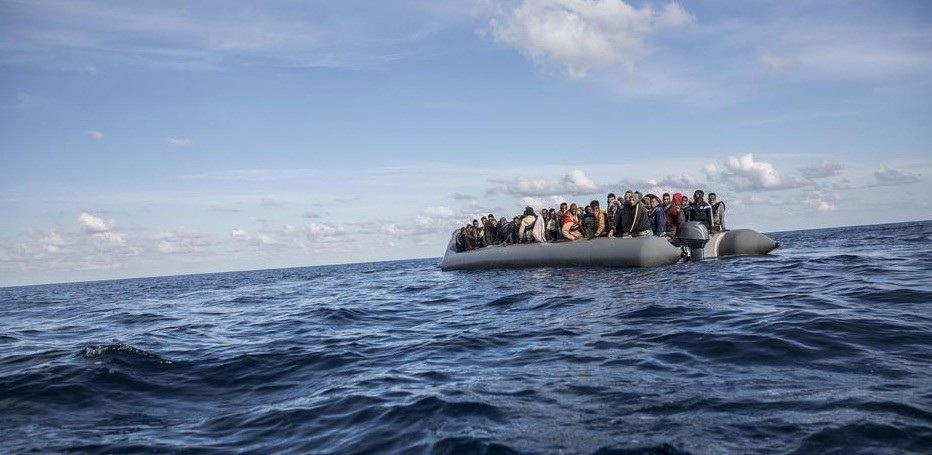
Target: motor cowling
[(693, 235)]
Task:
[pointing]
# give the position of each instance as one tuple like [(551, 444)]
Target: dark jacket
[(633, 219), (701, 212), (658, 221)]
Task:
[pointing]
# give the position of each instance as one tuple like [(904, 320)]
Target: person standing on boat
[(718, 213), (672, 213), (700, 210), (635, 219)]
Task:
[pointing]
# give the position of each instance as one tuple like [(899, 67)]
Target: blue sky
[(161, 137)]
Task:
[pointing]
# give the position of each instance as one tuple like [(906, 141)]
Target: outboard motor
[(693, 235)]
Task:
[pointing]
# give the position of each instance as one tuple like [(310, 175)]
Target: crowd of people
[(634, 215)]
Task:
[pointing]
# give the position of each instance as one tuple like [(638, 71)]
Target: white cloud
[(181, 241), (744, 173), (50, 242), (325, 232), (824, 203), (93, 224), (574, 182), (102, 230), (179, 142), (886, 176), (679, 181), (95, 135), (825, 169), (579, 36)]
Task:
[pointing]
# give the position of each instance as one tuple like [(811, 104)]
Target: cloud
[(824, 203), (200, 36), (579, 36), (432, 220), (889, 177), (51, 242), (311, 215), (257, 238), (93, 224), (181, 241), (823, 170), (574, 182), (324, 232), (179, 142), (744, 173), (95, 135), (101, 230)]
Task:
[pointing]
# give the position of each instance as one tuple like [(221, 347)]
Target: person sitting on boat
[(685, 209), (539, 231), (612, 209), (718, 213), (545, 218), (501, 236), (553, 225), (586, 221), (700, 210), (672, 214), (570, 223), (525, 225), (635, 219), (491, 228), (597, 229), (658, 219)]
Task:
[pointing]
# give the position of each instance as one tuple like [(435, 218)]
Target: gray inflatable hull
[(602, 252)]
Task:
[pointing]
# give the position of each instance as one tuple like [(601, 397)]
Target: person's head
[(563, 206), (491, 217), (611, 198), (712, 198), (553, 212), (666, 198), (594, 205), (678, 199), (483, 220), (475, 223), (698, 195), (574, 208), (587, 209), (631, 199), (544, 212), (653, 200), (528, 211), (627, 193)]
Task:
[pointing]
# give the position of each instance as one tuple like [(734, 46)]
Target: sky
[(154, 138)]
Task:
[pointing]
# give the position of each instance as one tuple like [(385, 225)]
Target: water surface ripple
[(823, 347)]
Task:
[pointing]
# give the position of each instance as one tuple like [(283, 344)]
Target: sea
[(822, 347)]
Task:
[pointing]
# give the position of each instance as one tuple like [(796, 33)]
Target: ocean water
[(824, 346)]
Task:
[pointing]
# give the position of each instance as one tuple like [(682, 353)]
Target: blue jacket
[(658, 221)]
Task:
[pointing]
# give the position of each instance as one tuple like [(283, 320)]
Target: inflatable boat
[(693, 243)]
